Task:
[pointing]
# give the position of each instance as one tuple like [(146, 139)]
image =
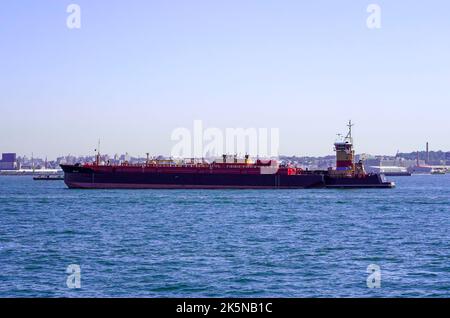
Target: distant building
[(8, 162), (447, 158), (392, 170), (381, 161)]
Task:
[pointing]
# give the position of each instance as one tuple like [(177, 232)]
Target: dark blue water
[(243, 243)]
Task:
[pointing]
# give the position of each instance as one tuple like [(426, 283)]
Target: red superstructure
[(168, 166)]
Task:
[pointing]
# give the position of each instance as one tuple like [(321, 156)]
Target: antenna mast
[(349, 135)]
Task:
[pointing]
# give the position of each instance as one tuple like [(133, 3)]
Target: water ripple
[(234, 243)]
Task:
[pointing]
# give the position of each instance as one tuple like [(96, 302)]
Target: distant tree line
[(434, 155)]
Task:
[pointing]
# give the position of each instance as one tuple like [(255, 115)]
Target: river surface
[(225, 243)]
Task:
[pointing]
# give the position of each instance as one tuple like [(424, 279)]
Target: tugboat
[(226, 173), (349, 174)]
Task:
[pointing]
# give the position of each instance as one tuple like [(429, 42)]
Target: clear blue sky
[(138, 69)]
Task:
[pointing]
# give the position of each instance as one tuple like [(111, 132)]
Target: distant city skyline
[(435, 154), (136, 71)]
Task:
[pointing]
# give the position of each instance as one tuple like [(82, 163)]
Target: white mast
[(349, 135), (98, 153)]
